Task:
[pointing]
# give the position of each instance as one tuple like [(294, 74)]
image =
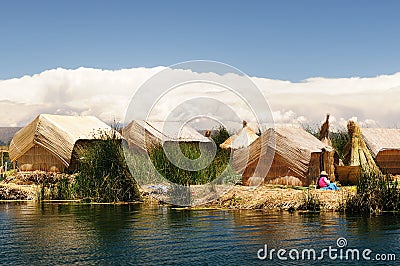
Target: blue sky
[(288, 40)]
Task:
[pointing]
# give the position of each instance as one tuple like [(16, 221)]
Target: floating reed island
[(82, 158)]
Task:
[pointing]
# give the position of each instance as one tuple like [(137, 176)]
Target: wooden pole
[(2, 165)]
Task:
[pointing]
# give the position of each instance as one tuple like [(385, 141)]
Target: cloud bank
[(373, 101)]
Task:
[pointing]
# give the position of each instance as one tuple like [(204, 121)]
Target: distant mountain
[(6, 134)]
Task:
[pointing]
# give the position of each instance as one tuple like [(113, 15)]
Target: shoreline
[(264, 197), (281, 198)]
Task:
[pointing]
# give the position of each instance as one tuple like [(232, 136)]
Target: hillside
[(6, 134)]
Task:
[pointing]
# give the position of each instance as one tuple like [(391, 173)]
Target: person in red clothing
[(325, 183)]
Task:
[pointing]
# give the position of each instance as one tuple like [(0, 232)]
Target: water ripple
[(66, 234)]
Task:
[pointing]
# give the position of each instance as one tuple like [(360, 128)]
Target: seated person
[(325, 183)]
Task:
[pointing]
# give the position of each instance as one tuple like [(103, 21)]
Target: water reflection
[(141, 235)]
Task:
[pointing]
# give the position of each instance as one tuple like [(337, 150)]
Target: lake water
[(64, 234)]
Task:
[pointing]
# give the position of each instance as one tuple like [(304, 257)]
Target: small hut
[(47, 143), (286, 155), (145, 135), (242, 139), (384, 145)]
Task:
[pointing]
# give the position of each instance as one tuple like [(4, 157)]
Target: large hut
[(384, 145), (286, 155), (242, 139), (47, 143), (145, 135)]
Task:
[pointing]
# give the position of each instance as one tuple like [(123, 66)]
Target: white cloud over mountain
[(373, 101)]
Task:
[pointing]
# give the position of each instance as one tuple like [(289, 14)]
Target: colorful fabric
[(331, 186), (323, 182)]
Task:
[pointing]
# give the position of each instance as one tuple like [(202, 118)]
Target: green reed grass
[(179, 175), (219, 166), (376, 193), (103, 175)]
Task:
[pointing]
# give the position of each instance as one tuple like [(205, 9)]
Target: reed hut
[(286, 155), (47, 143), (146, 135), (384, 145), (243, 138)]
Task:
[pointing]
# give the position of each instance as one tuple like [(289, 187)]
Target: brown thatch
[(356, 152), (285, 155), (384, 145), (138, 135), (242, 139), (47, 143), (324, 132), (145, 135)]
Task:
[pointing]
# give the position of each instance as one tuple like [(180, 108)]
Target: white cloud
[(82, 91), (288, 117), (106, 94)]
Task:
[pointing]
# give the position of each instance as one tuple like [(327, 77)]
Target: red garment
[(323, 181)]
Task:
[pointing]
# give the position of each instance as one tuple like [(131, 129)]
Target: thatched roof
[(242, 139), (291, 143), (174, 131), (57, 134), (380, 139), (299, 138), (159, 132), (138, 133)]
